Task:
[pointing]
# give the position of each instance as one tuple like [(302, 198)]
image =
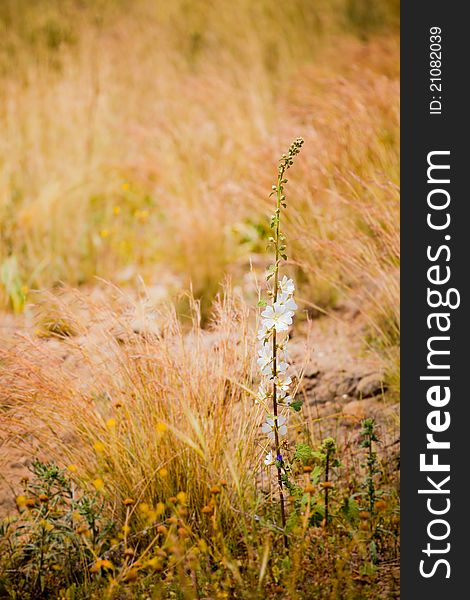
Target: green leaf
[(373, 552), (316, 474), (303, 453), (262, 303), (296, 405)]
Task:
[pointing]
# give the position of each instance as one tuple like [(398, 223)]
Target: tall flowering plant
[(273, 335)]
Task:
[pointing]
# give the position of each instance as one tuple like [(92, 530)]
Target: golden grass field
[(140, 140)]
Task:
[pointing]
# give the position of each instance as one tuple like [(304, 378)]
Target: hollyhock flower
[(278, 317), (264, 332), (269, 460), (269, 427), (263, 393), (282, 383), (287, 302), (286, 286), (265, 359)]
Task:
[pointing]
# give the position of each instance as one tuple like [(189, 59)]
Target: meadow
[(140, 143)]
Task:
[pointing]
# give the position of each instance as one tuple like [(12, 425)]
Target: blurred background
[(140, 138)]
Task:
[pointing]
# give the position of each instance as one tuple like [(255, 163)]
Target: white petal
[(282, 430), (268, 312)]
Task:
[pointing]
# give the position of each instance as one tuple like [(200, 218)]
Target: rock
[(370, 385), (356, 409)]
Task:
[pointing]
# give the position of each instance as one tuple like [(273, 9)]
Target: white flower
[(263, 393), (282, 350), (278, 317), (269, 427), (264, 332), (287, 400), (287, 302), (283, 383), (265, 359), (286, 286), (269, 460), (281, 366)]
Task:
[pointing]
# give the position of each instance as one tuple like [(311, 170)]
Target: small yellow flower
[(104, 233), (144, 508), (163, 472), (151, 516), (111, 424), (154, 563), (125, 186), (160, 508), (161, 427), (128, 501), (116, 210), (181, 497), (106, 564), (82, 529), (72, 468), (46, 525), (98, 484), (21, 501), (95, 567), (126, 529), (98, 446)]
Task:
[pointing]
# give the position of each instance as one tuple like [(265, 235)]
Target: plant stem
[(276, 433), (327, 473)]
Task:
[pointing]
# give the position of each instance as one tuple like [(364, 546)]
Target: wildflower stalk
[(277, 318), (328, 451), (279, 190)]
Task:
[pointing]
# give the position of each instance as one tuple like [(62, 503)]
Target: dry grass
[(137, 419), (124, 405), (138, 145), (145, 124)]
